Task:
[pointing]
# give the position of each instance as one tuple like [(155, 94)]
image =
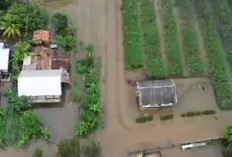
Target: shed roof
[(41, 35), (157, 92), (39, 82), (4, 58)]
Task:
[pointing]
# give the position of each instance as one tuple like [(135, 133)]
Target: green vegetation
[(59, 22), (222, 14), (167, 117), (132, 35), (198, 113), (69, 148), (92, 150), (90, 118), (67, 42), (229, 139), (81, 66), (155, 64), (20, 123), (172, 49), (22, 19), (144, 119), (189, 36), (218, 69)]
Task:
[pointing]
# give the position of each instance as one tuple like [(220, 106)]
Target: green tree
[(229, 138), (59, 21), (81, 128), (11, 26), (67, 42), (21, 51)]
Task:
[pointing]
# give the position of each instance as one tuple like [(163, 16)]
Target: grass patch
[(167, 117), (155, 64), (132, 35), (197, 113), (218, 69), (172, 48)]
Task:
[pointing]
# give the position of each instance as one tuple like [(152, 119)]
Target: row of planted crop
[(218, 69), (190, 42), (154, 63), (132, 35), (223, 18), (172, 49)]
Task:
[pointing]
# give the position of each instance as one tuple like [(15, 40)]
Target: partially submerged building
[(156, 94), (4, 62), (42, 86)]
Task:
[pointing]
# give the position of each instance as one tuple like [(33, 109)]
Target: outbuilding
[(42, 86), (156, 94)]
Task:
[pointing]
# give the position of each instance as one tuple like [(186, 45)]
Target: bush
[(208, 112), (41, 21), (38, 153), (69, 148), (144, 119), (167, 117), (67, 42), (59, 22), (81, 66), (132, 35)]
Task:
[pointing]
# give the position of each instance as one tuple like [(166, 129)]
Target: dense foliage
[(132, 35), (20, 124), (229, 138), (59, 22), (23, 19), (172, 49), (189, 36), (67, 42), (90, 118), (69, 148), (218, 69), (155, 64)]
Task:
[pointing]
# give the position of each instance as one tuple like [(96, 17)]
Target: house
[(41, 37), (4, 57), (4, 63), (156, 94), (42, 86)]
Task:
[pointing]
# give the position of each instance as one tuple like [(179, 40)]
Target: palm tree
[(81, 128), (21, 51), (96, 108), (11, 26)]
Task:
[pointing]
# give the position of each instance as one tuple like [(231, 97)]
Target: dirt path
[(180, 39), (160, 30)]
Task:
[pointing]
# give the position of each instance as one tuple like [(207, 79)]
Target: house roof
[(157, 92), (39, 82), (4, 58), (41, 35), (60, 61)]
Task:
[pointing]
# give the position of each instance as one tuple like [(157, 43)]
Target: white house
[(4, 58), (42, 86)]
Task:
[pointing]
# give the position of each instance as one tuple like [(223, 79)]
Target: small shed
[(42, 86), (41, 36), (156, 94)]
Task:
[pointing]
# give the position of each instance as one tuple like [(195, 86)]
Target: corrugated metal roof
[(39, 83)]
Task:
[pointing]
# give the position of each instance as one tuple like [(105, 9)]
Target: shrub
[(69, 148), (132, 35), (59, 21), (208, 112), (144, 119), (38, 153), (41, 21), (167, 117), (81, 66)]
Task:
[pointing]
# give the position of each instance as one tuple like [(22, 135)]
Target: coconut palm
[(21, 51), (11, 26)]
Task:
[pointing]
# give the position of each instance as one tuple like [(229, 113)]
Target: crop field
[(184, 26)]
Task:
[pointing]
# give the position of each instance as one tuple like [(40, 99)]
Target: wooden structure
[(155, 94)]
